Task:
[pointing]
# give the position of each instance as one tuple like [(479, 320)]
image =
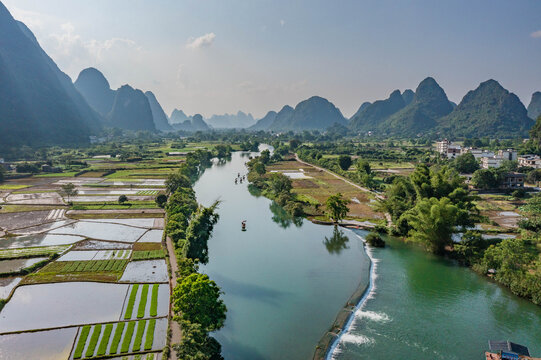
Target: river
[(285, 280)]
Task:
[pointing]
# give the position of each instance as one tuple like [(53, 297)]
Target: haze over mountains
[(39, 105)]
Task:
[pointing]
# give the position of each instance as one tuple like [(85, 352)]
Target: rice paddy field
[(92, 295)]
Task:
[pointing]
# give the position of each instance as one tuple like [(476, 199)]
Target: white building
[(448, 149), (477, 153), (491, 162), (530, 160)]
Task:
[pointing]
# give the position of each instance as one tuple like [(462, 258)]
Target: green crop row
[(149, 339), (147, 255), (139, 335), (147, 192), (116, 338), (92, 266), (82, 342), (127, 337), (143, 302), (154, 300), (93, 341), (131, 302), (102, 349), (32, 252)]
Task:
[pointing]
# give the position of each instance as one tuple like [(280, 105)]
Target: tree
[(259, 168), (196, 344), (486, 179), (336, 207), (2, 173), (363, 166), (68, 190), (264, 158), (197, 299), (122, 199), (374, 239), (433, 223), (199, 231), (344, 161), (466, 163), (161, 200), (176, 180), (280, 184)]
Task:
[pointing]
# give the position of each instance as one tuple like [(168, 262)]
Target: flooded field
[(145, 271), (79, 292), (10, 266), (38, 240), (43, 345), (104, 231), (154, 236)]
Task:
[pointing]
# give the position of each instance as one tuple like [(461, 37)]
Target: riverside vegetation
[(196, 299)]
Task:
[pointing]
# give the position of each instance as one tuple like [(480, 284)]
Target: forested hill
[(315, 113), (38, 103), (489, 110)]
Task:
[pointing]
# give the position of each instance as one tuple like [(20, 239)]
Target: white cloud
[(202, 41), (282, 22), (536, 34)]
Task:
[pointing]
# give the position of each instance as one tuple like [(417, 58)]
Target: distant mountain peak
[(534, 109)]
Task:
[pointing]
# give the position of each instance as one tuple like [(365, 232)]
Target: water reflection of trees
[(283, 218), (337, 242)]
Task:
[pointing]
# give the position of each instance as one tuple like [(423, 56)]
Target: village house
[(445, 147), (533, 161)]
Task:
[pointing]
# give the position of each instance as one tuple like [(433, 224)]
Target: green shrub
[(375, 240)]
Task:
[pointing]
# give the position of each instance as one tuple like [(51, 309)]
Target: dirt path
[(176, 332), (378, 196)]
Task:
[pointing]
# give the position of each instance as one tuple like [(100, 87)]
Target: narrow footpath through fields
[(379, 196), (176, 332)]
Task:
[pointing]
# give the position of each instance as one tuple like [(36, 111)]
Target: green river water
[(285, 281)]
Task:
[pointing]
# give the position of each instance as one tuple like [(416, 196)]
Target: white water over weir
[(344, 335)]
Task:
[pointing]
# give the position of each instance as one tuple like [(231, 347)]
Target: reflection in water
[(282, 217), (254, 190), (337, 242)]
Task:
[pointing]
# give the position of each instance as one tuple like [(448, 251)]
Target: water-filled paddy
[(44, 227), (102, 231), (9, 266), (154, 236), (7, 284), (142, 222), (145, 271), (38, 240), (42, 345), (61, 304)]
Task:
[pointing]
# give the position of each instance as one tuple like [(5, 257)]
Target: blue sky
[(217, 56)]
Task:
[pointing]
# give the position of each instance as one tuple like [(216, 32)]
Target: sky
[(221, 56)]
